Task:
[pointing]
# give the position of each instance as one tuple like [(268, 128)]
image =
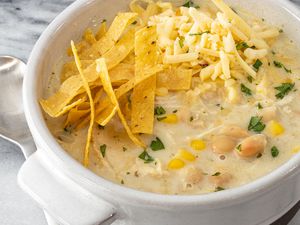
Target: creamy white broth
[(202, 113)]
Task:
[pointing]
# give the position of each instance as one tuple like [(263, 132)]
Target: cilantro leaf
[(103, 150), (242, 46), (189, 4), (219, 189), (284, 89), (280, 65), (256, 125), (157, 145), (245, 90), (146, 157), (257, 65), (274, 151), (159, 110), (216, 174), (250, 79)]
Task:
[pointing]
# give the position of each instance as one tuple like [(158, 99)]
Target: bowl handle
[(60, 196)]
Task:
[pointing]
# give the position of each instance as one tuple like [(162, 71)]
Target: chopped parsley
[(245, 90), (161, 118), (281, 31), (191, 118), (256, 125), (257, 65), (259, 106), (124, 149), (157, 145), (189, 4), (250, 79), (103, 150), (280, 65), (239, 147), (219, 189), (199, 33), (274, 151), (242, 46), (284, 89), (159, 111), (146, 157), (216, 174), (181, 42)]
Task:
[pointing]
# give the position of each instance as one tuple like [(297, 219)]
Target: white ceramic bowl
[(74, 195)]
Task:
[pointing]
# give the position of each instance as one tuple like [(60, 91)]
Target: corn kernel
[(275, 128), (184, 154), (296, 150), (198, 144), (171, 118), (176, 164)]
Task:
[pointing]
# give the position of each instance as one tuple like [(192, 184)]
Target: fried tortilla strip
[(114, 33), (88, 91), (101, 31), (175, 79), (69, 69), (74, 86), (143, 96), (142, 105), (103, 73)]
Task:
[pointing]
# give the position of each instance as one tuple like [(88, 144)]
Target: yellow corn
[(176, 164), (275, 128), (198, 144), (171, 118), (296, 150), (184, 154)]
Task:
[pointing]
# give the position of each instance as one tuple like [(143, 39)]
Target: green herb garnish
[(256, 125), (181, 41), (242, 46), (245, 90), (135, 22), (274, 151), (239, 147), (161, 118), (200, 33), (257, 65), (103, 150), (191, 118), (146, 157), (259, 106), (159, 111), (157, 145), (250, 79), (189, 4), (284, 89), (219, 189), (281, 31), (216, 174), (124, 149), (175, 111), (280, 65)]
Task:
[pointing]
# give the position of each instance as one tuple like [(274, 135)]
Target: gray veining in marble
[(21, 23)]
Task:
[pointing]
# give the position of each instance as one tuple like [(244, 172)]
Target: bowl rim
[(47, 142)]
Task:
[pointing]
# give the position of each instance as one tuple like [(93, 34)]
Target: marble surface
[(21, 23)]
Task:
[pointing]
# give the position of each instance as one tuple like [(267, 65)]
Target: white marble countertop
[(21, 23)]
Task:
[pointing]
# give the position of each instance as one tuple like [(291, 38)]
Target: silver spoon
[(13, 125)]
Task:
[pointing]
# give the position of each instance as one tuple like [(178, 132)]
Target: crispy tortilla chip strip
[(101, 31), (147, 54), (175, 79), (88, 91), (143, 96), (74, 86), (103, 72), (142, 105), (120, 51), (69, 69), (118, 26)]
